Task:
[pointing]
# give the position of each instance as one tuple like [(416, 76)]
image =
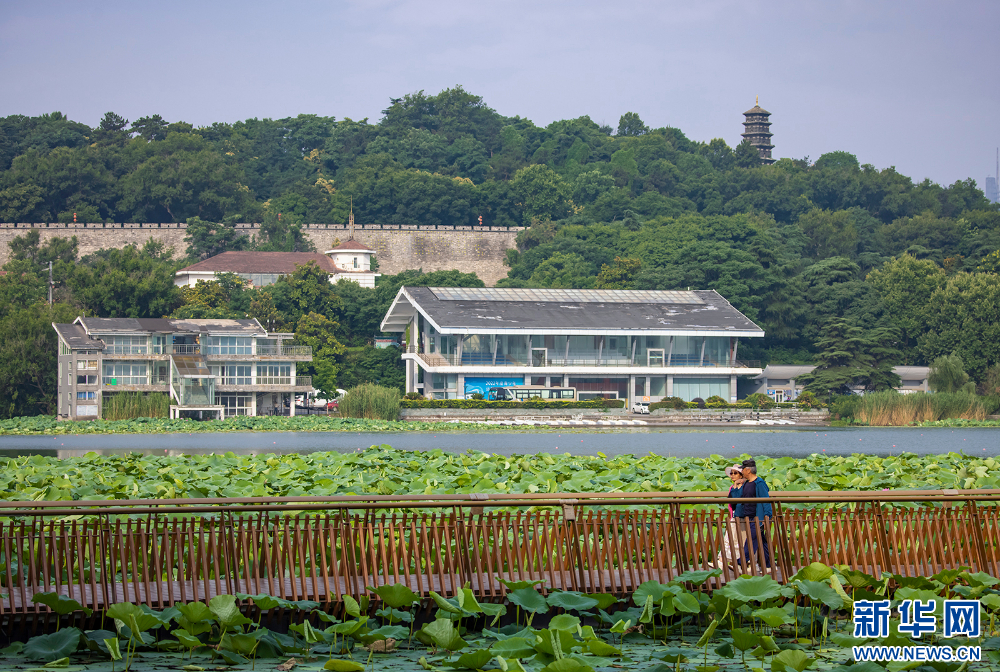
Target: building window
[(86, 409), (355, 262), (64, 349), (124, 373), (274, 374), (159, 345), (694, 388), (125, 345), (235, 404), (234, 374), (227, 345), (86, 395), (86, 380), (86, 365)]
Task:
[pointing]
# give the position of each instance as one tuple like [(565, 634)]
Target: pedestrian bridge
[(161, 552)]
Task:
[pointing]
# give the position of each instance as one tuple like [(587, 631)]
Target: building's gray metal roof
[(128, 325), (912, 372), (498, 310), (782, 371), (76, 337)]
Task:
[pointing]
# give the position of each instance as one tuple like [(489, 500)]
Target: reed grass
[(371, 402), (891, 409), (128, 405)]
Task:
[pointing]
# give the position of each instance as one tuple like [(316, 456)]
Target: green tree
[(28, 350), (630, 125), (831, 234), (904, 287), (28, 247), (850, 357), (746, 155), (128, 282), (541, 193), (619, 276), (368, 364), (207, 239), (947, 374), (319, 332), (962, 317), (307, 290)]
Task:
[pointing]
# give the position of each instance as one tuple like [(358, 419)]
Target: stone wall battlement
[(397, 248)]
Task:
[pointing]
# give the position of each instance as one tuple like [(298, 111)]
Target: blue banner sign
[(482, 385)]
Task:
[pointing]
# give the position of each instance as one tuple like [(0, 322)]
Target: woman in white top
[(730, 541)]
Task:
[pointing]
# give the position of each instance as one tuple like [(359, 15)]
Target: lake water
[(792, 442)]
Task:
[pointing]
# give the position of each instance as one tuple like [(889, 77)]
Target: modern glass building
[(220, 368), (619, 344)]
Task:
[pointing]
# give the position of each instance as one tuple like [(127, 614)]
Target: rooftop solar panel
[(565, 295)]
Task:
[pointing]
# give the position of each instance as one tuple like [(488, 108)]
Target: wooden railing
[(161, 552)]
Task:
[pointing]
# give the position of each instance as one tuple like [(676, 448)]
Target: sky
[(904, 84)]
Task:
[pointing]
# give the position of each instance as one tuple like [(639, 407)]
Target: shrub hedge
[(530, 403)]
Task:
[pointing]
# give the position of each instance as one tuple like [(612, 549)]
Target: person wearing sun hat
[(755, 487), (730, 544)]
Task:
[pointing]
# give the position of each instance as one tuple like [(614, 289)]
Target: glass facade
[(125, 345), (124, 373), (274, 374), (227, 345), (694, 388)]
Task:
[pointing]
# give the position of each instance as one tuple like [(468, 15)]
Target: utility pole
[(51, 284)]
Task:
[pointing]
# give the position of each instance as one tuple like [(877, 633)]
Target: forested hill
[(828, 256)]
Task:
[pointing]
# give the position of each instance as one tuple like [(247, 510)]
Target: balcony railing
[(186, 349), (285, 350), (126, 349), (480, 359), (300, 381)]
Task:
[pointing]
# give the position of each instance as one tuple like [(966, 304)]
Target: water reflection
[(792, 442)]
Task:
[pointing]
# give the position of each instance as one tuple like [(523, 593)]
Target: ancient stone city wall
[(399, 248)]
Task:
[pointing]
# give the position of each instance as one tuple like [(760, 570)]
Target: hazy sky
[(896, 83)]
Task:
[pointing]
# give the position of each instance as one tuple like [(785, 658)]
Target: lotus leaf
[(821, 592), (385, 632), (647, 611), (396, 595), (54, 646), (774, 616), (697, 577), (604, 600), (725, 650), (980, 579), (866, 666), (752, 589), (846, 640), (226, 612), (567, 665), (768, 644), (114, 648), (352, 607), (467, 600), (517, 585), (707, 635), (442, 632), (528, 599), (815, 571), (948, 576), (856, 578), (791, 660), (653, 589), (599, 647), (572, 600), (687, 602), (673, 655), (621, 626), (339, 665), (708, 668), (564, 622), (514, 647), (991, 602), (547, 639), (744, 640), (60, 604), (472, 660), (137, 620), (186, 638)]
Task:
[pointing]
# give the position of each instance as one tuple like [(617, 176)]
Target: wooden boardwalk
[(176, 556)]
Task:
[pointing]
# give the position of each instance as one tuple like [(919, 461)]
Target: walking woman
[(730, 540)]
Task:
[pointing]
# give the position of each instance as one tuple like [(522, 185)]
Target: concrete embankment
[(617, 416)]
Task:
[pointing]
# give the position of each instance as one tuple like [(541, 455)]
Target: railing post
[(882, 534), (781, 535), (677, 538), (977, 539)]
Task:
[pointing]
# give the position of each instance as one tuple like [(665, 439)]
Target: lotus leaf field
[(384, 470), (750, 623)]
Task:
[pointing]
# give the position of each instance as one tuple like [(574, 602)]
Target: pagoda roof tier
[(756, 109)]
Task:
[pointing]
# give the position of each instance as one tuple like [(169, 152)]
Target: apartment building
[(210, 368)]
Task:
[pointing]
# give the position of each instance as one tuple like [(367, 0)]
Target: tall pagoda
[(758, 131)]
